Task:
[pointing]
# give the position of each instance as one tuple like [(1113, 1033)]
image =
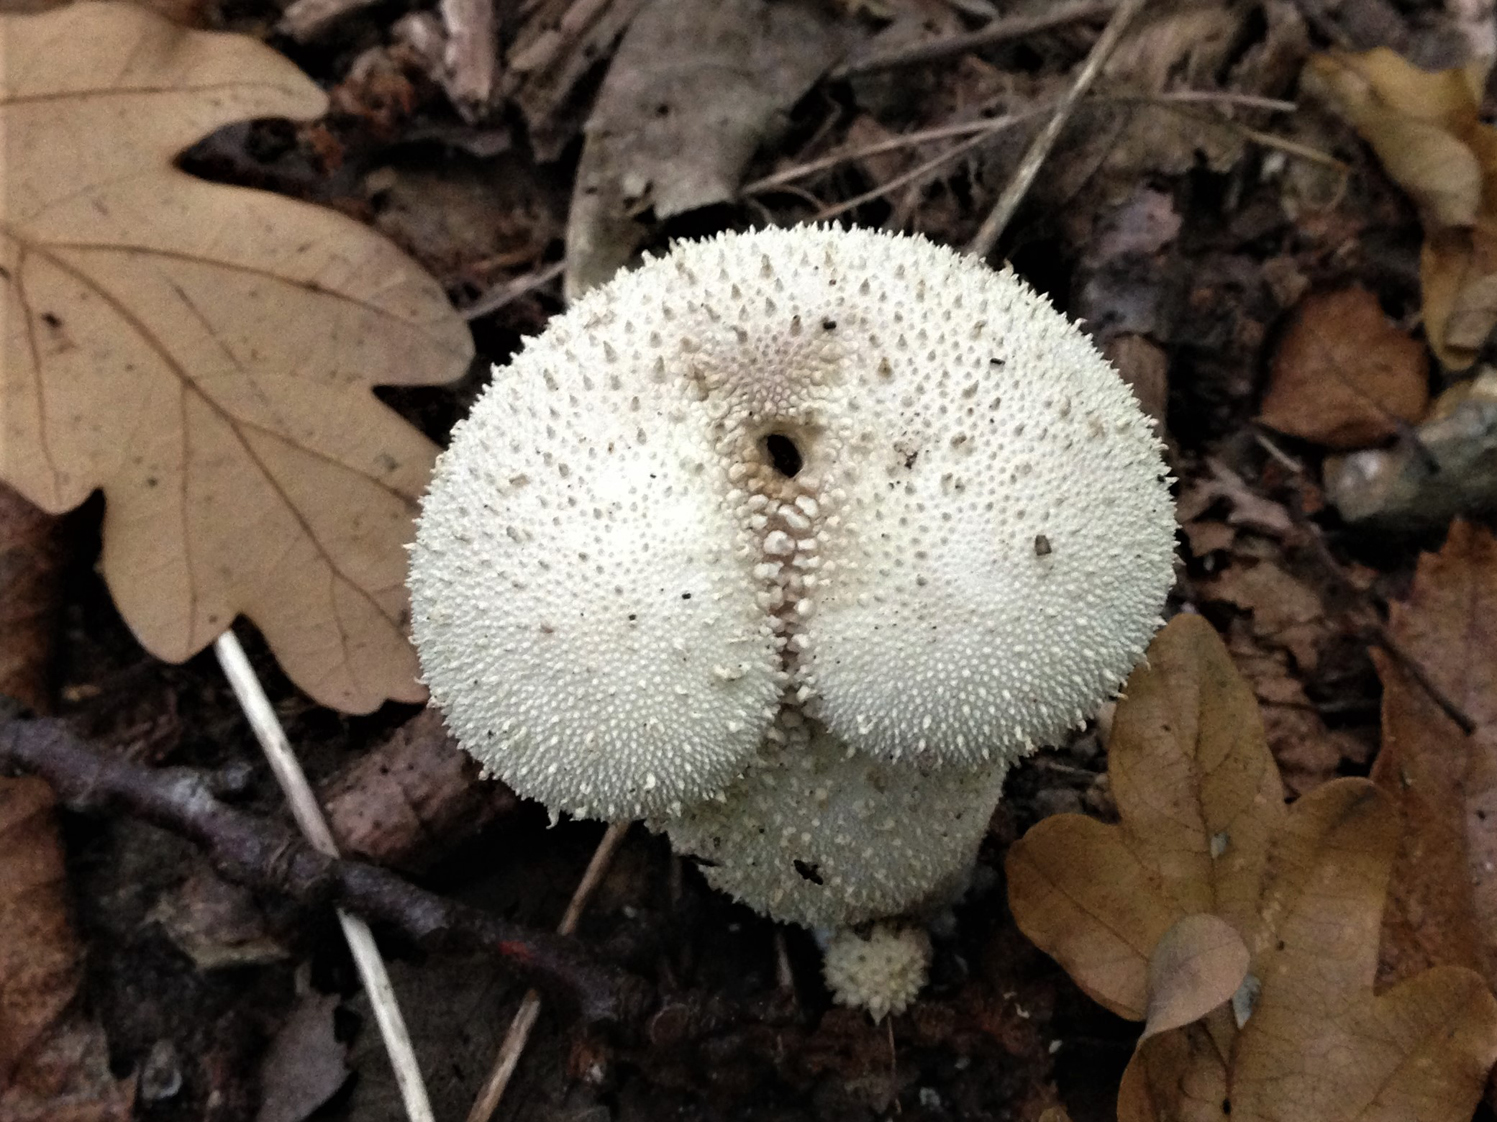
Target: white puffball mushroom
[(881, 972), (794, 532), (819, 835)]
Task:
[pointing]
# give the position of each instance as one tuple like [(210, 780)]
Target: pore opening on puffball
[(783, 454)]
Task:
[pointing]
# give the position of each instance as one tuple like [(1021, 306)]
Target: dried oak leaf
[(1343, 375), (205, 353), (1426, 128), (54, 1064), (1203, 830), (1198, 797), (1443, 903)]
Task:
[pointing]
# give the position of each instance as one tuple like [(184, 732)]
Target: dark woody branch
[(268, 856)]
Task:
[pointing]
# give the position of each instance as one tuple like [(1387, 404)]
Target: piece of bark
[(305, 20), (471, 55), (413, 798), (31, 556)]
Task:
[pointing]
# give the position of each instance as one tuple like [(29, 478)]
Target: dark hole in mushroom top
[(783, 454)]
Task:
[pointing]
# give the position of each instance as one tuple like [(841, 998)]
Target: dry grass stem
[(998, 218), (997, 31), (313, 825), (513, 1045)]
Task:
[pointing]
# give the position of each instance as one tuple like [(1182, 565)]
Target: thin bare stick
[(310, 820), (266, 855), (780, 178), (996, 31), (985, 125), (523, 1024), (511, 291), (993, 226), (919, 172), (307, 19), (1223, 97)]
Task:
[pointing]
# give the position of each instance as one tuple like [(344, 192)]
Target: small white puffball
[(882, 972), (819, 835), (837, 475)]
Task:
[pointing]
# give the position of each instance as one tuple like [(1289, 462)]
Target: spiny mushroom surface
[(817, 834), (881, 972), (791, 541)]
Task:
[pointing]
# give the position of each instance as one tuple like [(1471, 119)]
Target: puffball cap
[(620, 578)]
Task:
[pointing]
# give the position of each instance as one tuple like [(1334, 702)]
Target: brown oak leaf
[(1344, 376), (205, 353), (1204, 830)]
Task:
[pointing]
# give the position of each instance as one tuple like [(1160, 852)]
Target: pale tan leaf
[(1178, 1076), (1083, 898), (205, 353), (1319, 1044), (1198, 964), (1427, 130), (1198, 794), (1191, 773), (1417, 121)]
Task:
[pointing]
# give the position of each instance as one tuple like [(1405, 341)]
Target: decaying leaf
[(38, 958), (1443, 907), (305, 1063), (1319, 1044), (669, 135), (1344, 376), (1203, 830), (1286, 611), (411, 799), (205, 353), (1426, 129), (53, 1063), (1197, 966)]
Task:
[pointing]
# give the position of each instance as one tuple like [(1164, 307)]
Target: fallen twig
[(997, 31), (491, 301), (268, 856), (523, 1024), (983, 127), (920, 172), (992, 227)]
